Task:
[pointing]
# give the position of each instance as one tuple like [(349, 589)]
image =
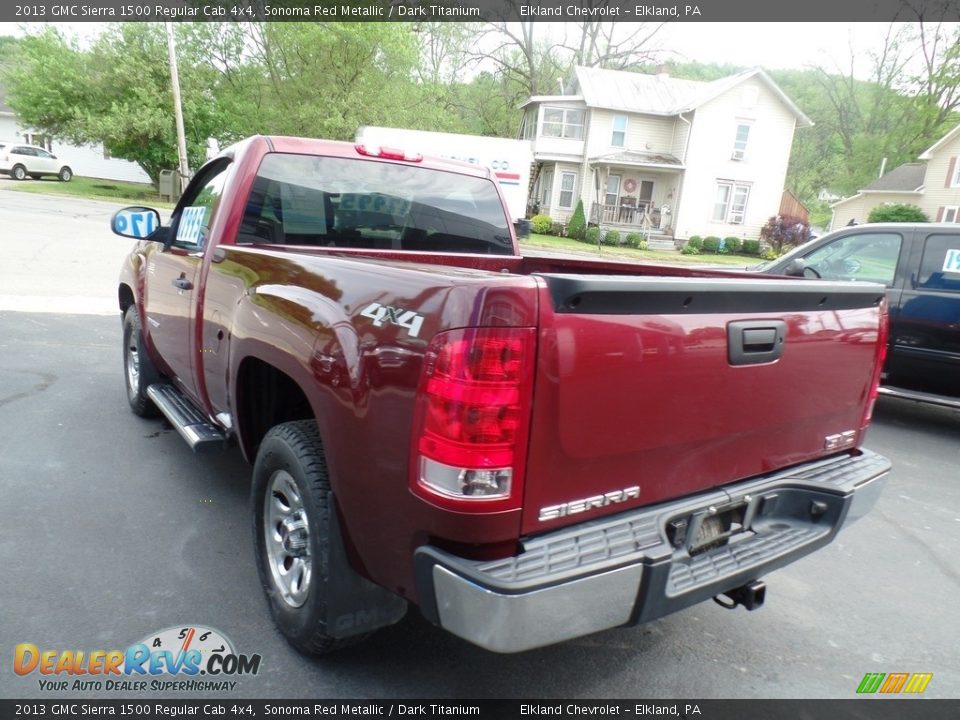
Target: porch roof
[(637, 158)]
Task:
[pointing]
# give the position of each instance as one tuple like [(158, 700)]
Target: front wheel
[(292, 509), (66, 174), (139, 370)]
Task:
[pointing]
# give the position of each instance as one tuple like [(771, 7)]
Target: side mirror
[(135, 222), (795, 268)]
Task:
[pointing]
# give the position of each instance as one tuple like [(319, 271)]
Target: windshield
[(345, 202)]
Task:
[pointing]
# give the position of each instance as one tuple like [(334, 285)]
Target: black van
[(920, 265)]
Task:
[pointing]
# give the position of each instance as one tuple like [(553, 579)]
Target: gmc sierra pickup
[(528, 449)]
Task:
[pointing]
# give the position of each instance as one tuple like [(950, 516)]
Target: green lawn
[(95, 189), (625, 253)]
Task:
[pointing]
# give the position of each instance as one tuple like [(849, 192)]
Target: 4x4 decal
[(381, 314)]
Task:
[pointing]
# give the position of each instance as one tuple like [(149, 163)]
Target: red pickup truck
[(529, 449)]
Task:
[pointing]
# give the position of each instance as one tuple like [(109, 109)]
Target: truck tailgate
[(654, 388)]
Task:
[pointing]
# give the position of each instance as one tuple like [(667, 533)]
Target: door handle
[(182, 283), (754, 342)]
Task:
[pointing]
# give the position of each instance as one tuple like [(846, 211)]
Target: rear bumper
[(623, 570)]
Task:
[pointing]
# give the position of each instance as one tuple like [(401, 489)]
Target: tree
[(782, 231), (577, 227), (897, 213)]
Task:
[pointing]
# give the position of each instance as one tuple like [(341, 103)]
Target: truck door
[(171, 297), (925, 340)]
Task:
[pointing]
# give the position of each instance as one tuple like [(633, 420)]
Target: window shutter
[(953, 166), (940, 209)]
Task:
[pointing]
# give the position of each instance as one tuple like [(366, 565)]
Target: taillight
[(472, 419), (879, 358), (388, 153)]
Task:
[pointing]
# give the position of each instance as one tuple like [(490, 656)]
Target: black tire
[(34, 177), (65, 174), (291, 500), (19, 172), (139, 372)]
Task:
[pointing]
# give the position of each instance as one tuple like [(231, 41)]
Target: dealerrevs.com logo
[(187, 658)]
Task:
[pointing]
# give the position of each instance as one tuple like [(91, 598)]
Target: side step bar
[(916, 395), (193, 426)]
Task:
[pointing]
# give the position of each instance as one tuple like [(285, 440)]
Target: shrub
[(769, 254), (750, 247), (611, 237), (711, 244), (689, 249), (643, 245), (592, 235), (541, 224), (557, 228), (782, 231), (634, 239), (695, 242), (731, 244), (897, 213), (577, 226)]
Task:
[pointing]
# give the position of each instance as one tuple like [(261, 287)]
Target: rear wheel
[(19, 172), (66, 174), (139, 370), (292, 508)]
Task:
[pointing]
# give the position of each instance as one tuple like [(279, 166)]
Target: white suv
[(21, 161)]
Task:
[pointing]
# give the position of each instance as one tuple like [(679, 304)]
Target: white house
[(85, 160), (678, 157), (933, 186)]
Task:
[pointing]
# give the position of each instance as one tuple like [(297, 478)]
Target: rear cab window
[(358, 203)]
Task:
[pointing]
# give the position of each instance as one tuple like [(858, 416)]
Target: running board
[(193, 426), (923, 397)]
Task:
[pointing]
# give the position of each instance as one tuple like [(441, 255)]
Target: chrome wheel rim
[(286, 534), (133, 367)]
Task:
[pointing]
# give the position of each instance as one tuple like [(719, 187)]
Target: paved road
[(111, 529)]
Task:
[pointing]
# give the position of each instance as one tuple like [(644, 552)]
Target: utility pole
[(178, 108)]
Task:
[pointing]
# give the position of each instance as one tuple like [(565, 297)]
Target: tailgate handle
[(752, 342)]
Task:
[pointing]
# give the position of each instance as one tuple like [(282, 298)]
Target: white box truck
[(510, 160)]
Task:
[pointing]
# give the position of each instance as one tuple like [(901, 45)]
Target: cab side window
[(198, 209), (867, 256), (940, 266)]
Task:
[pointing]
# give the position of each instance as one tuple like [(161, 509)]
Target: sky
[(762, 44)]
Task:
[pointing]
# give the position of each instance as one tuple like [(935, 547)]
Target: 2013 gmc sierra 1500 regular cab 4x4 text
[(528, 449)]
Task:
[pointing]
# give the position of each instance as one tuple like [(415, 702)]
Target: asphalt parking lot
[(112, 530)]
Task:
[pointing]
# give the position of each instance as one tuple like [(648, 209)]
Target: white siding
[(936, 193), (764, 166), (86, 161), (645, 133), (859, 206)]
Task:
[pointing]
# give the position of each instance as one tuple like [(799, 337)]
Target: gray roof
[(906, 178), (634, 157), (662, 94)]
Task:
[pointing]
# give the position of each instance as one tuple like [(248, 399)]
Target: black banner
[(856, 709), (478, 10)]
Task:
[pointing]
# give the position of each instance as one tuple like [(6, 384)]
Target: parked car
[(528, 449), (919, 263), (22, 161)]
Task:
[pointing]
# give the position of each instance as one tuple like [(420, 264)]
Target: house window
[(619, 137), (546, 188), (730, 205), (740, 141), (955, 173), (561, 123), (950, 214), (613, 189), (568, 181)]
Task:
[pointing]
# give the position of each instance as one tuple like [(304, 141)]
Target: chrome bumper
[(623, 570)]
